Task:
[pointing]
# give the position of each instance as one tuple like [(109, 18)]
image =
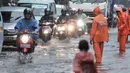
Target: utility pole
[(112, 3)]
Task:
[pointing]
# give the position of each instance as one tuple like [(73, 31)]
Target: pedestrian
[(122, 31), (128, 21), (126, 18), (99, 34), (84, 60)]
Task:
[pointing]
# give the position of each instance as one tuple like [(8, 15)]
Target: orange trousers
[(98, 49), (122, 42)]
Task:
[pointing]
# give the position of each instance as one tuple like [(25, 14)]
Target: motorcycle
[(61, 31), (45, 31), (72, 28), (81, 27), (25, 45)]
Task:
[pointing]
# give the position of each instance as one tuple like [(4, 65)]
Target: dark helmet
[(64, 11), (80, 10), (47, 11), (27, 11), (124, 9)]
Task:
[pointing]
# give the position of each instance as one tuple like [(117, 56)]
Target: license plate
[(25, 46), (9, 38)]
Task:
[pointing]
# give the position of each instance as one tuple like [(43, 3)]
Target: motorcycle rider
[(82, 16), (72, 14), (28, 23), (47, 17), (63, 16)]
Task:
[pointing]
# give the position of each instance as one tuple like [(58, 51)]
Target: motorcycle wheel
[(24, 58), (80, 33), (45, 39), (62, 37)]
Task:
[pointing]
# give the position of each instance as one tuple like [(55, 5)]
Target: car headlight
[(46, 32), (80, 23), (24, 38)]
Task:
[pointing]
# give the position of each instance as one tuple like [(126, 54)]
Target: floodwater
[(57, 57)]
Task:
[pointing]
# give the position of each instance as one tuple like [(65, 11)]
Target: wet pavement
[(57, 57)]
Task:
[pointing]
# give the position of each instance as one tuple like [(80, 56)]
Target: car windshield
[(10, 17), (30, 5), (38, 9), (88, 1), (59, 11)]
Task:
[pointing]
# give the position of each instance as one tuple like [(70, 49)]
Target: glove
[(91, 42)]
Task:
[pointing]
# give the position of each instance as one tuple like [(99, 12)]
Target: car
[(10, 16), (39, 6)]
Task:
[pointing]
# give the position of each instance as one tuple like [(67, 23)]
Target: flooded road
[(57, 57)]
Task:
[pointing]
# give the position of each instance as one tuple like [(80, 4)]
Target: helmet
[(124, 9), (73, 11), (28, 11), (63, 11), (80, 10), (47, 11)]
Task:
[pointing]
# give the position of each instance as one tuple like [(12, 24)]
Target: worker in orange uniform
[(117, 12), (99, 34), (126, 18), (122, 31), (128, 21)]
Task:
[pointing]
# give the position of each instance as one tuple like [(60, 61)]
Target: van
[(50, 4)]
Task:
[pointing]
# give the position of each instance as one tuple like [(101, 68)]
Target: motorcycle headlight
[(61, 28), (80, 23), (80, 29), (46, 32), (24, 38), (70, 28)]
